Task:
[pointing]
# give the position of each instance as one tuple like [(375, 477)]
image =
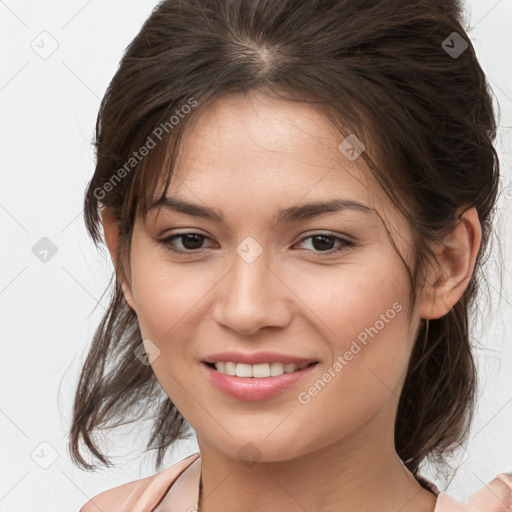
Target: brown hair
[(383, 70)]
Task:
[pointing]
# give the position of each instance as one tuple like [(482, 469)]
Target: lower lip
[(255, 389)]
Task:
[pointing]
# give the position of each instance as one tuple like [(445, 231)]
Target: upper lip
[(257, 358)]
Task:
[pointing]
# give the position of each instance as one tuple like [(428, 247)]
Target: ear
[(111, 232), (456, 255)]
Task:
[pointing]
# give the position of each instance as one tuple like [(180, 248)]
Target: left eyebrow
[(291, 214), (309, 210)]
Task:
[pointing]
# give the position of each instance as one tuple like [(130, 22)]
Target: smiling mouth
[(257, 371)]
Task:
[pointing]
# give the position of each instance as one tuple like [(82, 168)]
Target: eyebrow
[(291, 214)]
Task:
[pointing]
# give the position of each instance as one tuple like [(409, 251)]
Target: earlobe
[(111, 232), (456, 256)]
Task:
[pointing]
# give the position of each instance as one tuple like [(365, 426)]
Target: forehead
[(262, 143)]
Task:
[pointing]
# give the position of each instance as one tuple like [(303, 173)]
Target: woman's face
[(258, 282)]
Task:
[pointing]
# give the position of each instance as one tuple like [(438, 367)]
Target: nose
[(252, 296)]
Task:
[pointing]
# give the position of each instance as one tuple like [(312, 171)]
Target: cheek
[(169, 299), (164, 305), (362, 317), (350, 297), (167, 296), (169, 312)]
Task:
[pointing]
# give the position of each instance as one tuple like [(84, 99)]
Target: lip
[(254, 389), (257, 358)]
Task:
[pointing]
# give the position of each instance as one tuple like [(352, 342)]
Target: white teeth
[(258, 371), (243, 370)]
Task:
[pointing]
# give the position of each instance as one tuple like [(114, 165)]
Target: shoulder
[(493, 497), (140, 494)]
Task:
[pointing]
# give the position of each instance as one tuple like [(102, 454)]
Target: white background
[(48, 111)]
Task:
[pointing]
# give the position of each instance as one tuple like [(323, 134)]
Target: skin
[(249, 156)]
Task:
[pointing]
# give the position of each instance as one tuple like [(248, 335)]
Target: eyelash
[(167, 243)]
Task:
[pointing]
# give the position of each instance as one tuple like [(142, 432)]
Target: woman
[(297, 197)]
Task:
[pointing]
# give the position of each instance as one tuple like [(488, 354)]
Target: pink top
[(151, 493)]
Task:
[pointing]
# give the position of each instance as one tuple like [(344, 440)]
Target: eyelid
[(323, 232)]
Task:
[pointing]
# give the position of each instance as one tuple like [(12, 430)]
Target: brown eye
[(190, 242), (324, 243)]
